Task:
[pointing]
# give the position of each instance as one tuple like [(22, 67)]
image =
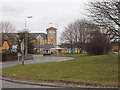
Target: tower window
[(51, 40)]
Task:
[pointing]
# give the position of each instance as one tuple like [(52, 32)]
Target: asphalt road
[(6, 84), (37, 59)]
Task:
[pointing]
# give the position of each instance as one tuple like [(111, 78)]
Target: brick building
[(41, 41)]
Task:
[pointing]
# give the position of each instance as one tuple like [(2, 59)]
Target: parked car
[(116, 52), (46, 53)]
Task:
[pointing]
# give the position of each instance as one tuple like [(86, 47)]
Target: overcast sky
[(61, 13)]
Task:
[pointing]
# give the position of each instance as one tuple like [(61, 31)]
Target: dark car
[(46, 53)]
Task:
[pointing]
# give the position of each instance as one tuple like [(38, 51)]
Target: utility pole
[(22, 50), (26, 36), (26, 43)]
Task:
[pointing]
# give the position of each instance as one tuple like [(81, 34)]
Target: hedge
[(9, 56)]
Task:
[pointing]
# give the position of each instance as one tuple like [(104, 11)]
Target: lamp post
[(26, 21), (26, 36)]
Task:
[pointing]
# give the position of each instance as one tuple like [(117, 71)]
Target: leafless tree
[(85, 29), (67, 35), (6, 27), (107, 16), (78, 34)]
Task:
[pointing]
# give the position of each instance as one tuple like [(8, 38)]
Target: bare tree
[(85, 28), (68, 36), (78, 34), (107, 16), (6, 27)]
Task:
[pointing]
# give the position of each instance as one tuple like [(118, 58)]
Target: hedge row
[(9, 56)]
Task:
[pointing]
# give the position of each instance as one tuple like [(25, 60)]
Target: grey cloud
[(12, 9), (43, 14)]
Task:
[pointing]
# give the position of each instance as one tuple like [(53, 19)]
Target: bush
[(7, 55), (99, 44)]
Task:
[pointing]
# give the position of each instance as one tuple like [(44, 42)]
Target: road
[(6, 84), (37, 59)]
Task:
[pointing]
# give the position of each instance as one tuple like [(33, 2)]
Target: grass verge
[(101, 69)]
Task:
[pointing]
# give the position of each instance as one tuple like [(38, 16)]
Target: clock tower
[(51, 36)]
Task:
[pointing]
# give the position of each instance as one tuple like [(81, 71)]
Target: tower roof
[(51, 28)]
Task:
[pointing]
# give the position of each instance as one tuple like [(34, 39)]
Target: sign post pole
[(22, 49), (19, 55)]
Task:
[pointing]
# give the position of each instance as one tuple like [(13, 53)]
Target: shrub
[(7, 55), (99, 44)]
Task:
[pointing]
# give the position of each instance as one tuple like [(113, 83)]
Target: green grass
[(101, 69)]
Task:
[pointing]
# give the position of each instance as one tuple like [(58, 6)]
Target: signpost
[(19, 55), (22, 49), (14, 48)]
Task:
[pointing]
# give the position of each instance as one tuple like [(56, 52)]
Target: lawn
[(100, 69)]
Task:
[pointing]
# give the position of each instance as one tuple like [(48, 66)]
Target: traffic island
[(83, 71)]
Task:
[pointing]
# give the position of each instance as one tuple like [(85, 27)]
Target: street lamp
[(22, 43), (26, 21), (26, 36)]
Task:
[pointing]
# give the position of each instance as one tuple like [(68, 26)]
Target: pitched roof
[(51, 28), (35, 35), (5, 45), (10, 35), (4, 36), (45, 47), (43, 35)]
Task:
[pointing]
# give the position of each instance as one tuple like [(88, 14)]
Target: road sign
[(22, 46), (14, 50), (14, 47)]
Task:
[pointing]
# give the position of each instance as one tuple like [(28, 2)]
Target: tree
[(107, 16), (99, 44), (21, 36), (68, 36), (6, 27), (78, 33), (29, 45), (84, 30)]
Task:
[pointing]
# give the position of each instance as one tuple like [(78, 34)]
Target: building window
[(51, 40)]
